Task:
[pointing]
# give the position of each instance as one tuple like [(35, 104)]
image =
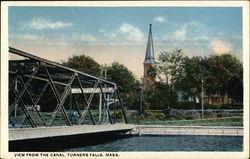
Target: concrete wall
[(187, 130)]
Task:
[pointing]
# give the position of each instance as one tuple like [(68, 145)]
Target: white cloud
[(130, 33), (220, 47), (189, 31), (159, 19), (41, 23), (180, 34), (101, 30)]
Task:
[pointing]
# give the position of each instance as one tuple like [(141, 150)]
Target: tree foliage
[(128, 85), (171, 64), (225, 76), (84, 63), (161, 96), (217, 74)]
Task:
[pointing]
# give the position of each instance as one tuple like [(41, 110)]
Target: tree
[(162, 96), (84, 63), (221, 74), (128, 85), (190, 80), (226, 76), (171, 64)]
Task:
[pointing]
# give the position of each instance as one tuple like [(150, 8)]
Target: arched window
[(147, 84)]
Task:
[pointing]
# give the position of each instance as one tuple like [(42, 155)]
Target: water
[(118, 143), (168, 143)]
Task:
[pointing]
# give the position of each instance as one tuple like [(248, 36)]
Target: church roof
[(150, 58)]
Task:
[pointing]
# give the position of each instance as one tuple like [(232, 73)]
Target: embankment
[(187, 130)]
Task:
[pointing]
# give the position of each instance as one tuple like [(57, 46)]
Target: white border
[(4, 72)]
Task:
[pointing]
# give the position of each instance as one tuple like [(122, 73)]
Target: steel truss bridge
[(44, 95)]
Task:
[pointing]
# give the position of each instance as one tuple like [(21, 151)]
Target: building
[(217, 100), (149, 63)]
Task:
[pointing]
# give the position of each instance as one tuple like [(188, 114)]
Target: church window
[(147, 84)]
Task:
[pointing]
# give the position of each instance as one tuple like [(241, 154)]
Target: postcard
[(125, 79)]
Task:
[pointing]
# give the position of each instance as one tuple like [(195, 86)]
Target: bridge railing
[(46, 93)]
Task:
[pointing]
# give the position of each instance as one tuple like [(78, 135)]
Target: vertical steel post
[(105, 103), (202, 98), (114, 107), (100, 107)]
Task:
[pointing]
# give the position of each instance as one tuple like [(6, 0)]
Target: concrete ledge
[(45, 132), (187, 130)]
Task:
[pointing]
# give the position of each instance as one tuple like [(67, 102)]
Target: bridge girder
[(60, 80)]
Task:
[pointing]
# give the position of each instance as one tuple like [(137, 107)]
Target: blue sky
[(119, 33)]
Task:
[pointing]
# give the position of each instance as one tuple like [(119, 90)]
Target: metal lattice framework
[(34, 81)]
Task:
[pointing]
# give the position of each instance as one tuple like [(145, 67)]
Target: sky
[(109, 34)]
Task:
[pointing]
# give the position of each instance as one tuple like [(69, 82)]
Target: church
[(149, 63), (149, 75)]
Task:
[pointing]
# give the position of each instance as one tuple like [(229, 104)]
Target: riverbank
[(187, 130), (186, 118)]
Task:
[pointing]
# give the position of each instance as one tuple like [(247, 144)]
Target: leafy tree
[(171, 64), (226, 76), (221, 74), (124, 78), (84, 63), (162, 96), (190, 82), (128, 85)]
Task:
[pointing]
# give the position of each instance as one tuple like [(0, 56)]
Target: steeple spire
[(150, 58)]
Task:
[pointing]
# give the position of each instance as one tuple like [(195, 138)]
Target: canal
[(119, 143), (169, 143)]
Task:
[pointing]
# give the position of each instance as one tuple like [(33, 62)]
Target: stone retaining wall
[(187, 130)]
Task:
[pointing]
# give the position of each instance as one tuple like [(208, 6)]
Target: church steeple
[(150, 58), (149, 63)]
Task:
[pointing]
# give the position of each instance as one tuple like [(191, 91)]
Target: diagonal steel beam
[(105, 103), (114, 107), (32, 123), (42, 79), (77, 106), (121, 105), (40, 95), (32, 101), (42, 92), (25, 87), (61, 100), (51, 63), (88, 101)]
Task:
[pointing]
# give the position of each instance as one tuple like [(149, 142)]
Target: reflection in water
[(169, 143), (118, 142)]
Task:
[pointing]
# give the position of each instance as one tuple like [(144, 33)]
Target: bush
[(174, 114), (194, 115)]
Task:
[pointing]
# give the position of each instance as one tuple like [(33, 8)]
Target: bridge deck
[(56, 131)]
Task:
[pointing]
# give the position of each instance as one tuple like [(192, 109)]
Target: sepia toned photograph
[(91, 80)]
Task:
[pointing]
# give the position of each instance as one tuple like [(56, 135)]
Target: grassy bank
[(232, 121), (159, 118)]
